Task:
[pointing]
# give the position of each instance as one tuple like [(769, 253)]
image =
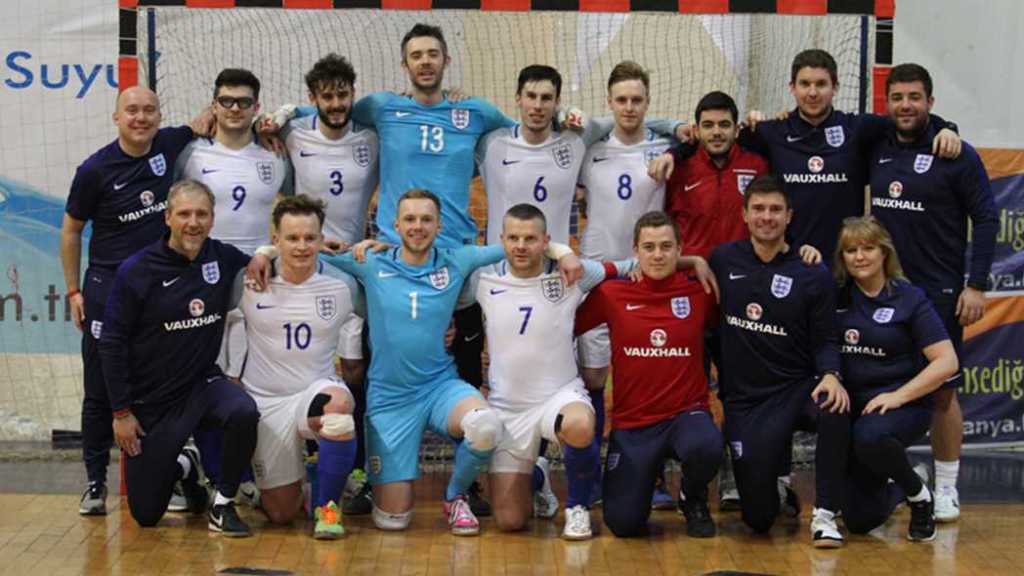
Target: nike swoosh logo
[(263, 306), (119, 186), (690, 187), (794, 138), (884, 160), (507, 162), (383, 274), (402, 114), (598, 159), (495, 291), (305, 154), (634, 306), (210, 171), (841, 310), (736, 276), (471, 338), (169, 282)]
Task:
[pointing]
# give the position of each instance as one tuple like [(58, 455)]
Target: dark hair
[(301, 205), (422, 29), (717, 100), (420, 194), (331, 71), (764, 184), (526, 211), (538, 73), (910, 73), (237, 77), (814, 58), (654, 219), (629, 70)]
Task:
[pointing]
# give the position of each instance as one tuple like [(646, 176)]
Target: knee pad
[(389, 521), (332, 424), (482, 429)]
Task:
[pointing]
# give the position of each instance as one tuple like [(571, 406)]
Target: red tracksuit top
[(657, 341), (707, 201)]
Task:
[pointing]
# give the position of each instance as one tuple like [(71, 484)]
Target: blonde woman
[(895, 353)]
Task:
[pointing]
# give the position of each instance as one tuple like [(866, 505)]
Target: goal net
[(745, 55)]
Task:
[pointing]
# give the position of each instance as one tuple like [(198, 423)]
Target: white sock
[(946, 473), (923, 496), (220, 499), (186, 465), (786, 480)]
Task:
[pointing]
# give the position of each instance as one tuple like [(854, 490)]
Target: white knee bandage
[(388, 521), (482, 429), (332, 424)]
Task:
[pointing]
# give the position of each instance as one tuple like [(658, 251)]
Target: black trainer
[(361, 504), (481, 508), (224, 518), (698, 518), (196, 496), (789, 501), (922, 521)]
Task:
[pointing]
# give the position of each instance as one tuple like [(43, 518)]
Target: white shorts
[(594, 348), (525, 426), (351, 347), (234, 346), (282, 433)]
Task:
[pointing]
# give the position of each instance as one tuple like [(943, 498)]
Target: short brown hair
[(814, 58), (301, 205), (629, 70), (420, 194), (654, 219), (765, 184)]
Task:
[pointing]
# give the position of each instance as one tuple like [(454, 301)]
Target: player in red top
[(705, 191), (661, 395)]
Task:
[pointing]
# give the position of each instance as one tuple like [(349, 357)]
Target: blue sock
[(332, 469), (538, 478), (468, 464), (582, 465)]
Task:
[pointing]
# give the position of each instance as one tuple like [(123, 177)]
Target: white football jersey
[(342, 173), (245, 183), (294, 331), (544, 175), (618, 192), (529, 326)]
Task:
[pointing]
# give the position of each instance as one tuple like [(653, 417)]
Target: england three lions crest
[(440, 279), (460, 118), (781, 285), (265, 170), (552, 289), (883, 315), (361, 154), (211, 272), (562, 155), (923, 163), (158, 164), (681, 307), (651, 154), (835, 136), (326, 307)]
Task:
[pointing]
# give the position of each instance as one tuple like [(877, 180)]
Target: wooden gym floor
[(43, 534)]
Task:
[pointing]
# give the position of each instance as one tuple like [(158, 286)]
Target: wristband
[(122, 413), (73, 292)]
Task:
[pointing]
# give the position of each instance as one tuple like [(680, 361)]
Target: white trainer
[(824, 531), (577, 524), (947, 504)]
